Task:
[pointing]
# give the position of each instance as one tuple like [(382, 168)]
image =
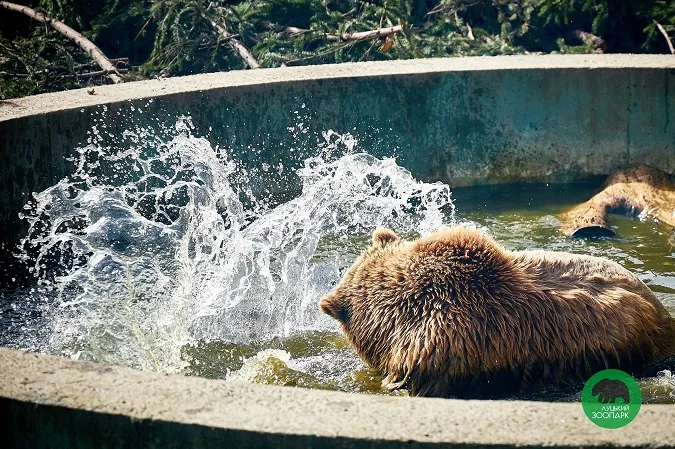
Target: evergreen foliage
[(174, 37)]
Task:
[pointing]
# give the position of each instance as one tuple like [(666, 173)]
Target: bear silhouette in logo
[(609, 390)]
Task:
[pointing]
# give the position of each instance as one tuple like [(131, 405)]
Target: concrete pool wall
[(55, 402), (462, 121)]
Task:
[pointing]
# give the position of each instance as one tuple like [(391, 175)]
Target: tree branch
[(233, 42), (84, 43), (294, 31), (318, 55), (365, 35), (460, 22), (356, 36), (663, 31), (19, 75), (98, 73)]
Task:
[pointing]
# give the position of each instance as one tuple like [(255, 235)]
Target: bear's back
[(605, 315), (567, 272), (531, 319)]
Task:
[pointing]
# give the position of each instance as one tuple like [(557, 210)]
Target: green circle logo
[(611, 398)]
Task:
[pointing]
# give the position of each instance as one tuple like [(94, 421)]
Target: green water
[(520, 217)]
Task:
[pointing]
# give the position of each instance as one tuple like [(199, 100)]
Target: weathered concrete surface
[(41, 104), (460, 120), (52, 402)]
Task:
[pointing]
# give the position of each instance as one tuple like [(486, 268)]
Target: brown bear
[(453, 314)]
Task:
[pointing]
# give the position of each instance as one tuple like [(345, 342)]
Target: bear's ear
[(332, 306), (383, 237)]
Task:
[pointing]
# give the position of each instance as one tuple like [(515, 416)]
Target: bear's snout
[(327, 307), (332, 306)]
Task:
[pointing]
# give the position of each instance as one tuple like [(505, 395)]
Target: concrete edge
[(51, 399), (46, 103)]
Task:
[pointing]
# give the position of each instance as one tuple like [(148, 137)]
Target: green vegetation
[(178, 37)]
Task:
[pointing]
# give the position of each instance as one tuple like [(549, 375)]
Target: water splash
[(662, 387), (159, 241)]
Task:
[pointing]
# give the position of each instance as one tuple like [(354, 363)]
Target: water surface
[(520, 217), (163, 252)]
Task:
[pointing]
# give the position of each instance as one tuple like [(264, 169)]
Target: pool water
[(166, 252), (520, 217)]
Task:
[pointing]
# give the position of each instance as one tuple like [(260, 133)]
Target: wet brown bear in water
[(454, 314)]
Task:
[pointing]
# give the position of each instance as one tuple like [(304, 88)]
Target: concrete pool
[(461, 122)]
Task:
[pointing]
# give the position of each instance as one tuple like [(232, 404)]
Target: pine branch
[(29, 69), (84, 43), (235, 43)]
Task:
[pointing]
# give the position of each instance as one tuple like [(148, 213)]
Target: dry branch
[(295, 30), (98, 73), (356, 36), (11, 74), (116, 61), (235, 43), (365, 35), (663, 31), (84, 43)]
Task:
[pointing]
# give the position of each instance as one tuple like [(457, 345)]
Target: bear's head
[(412, 309), (338, 303)]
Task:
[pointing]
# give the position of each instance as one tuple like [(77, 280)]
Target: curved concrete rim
[(51, 102), (52, 390)]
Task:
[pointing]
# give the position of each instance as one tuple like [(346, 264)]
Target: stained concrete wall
[(50, 402), (462, 121)]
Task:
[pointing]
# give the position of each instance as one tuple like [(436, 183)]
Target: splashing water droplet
[(154, 243)]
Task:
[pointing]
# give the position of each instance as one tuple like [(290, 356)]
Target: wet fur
[(455, 315)]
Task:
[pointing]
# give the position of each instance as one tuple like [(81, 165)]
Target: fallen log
[(639, 190), (84, 43)]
